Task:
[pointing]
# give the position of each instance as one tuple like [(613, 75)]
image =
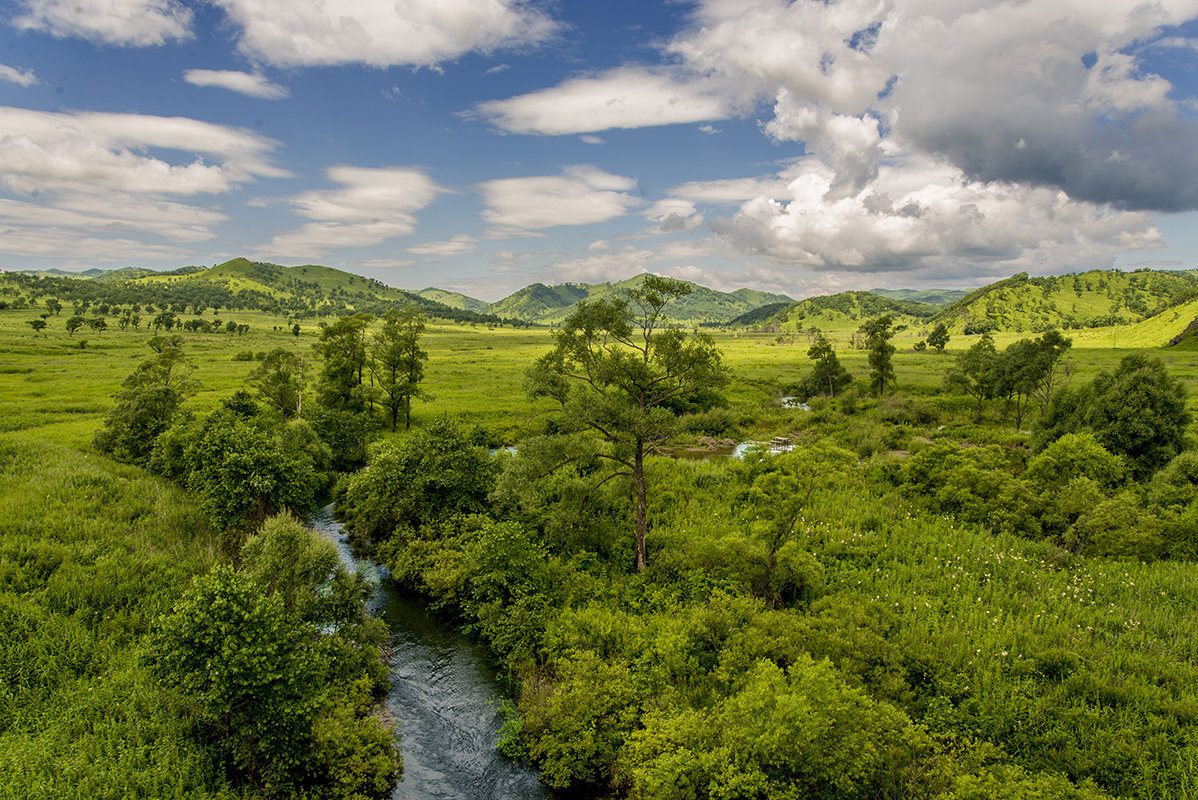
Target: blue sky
[(482, 145)]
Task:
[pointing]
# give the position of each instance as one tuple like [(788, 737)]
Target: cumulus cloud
[(631, 97), (371, 206), (1067, 108), (21, 77), (674, 214), (614, 266), (582, 195), (381, 33), (136, 23), (250, 83), (42, 150), (924, 214)]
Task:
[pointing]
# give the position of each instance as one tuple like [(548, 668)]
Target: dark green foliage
[(266, 657), (397, 363), (877, 334), (147, 404), (427, 477), (939, 337), (1138, 412), (975, 372), (615, 368), (827, 375), (279, 381)]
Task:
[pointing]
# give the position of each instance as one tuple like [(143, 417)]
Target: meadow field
[(976, 659)]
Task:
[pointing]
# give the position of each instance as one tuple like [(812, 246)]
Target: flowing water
[(444, 694)]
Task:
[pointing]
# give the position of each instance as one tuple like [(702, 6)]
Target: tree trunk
[(642, 506)]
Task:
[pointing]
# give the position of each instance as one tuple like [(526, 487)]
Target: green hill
[(933, 297), (838, 312), (703, 306), (453, 299), (1094, 299)]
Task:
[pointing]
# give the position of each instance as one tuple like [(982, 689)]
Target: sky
[(803, 147)]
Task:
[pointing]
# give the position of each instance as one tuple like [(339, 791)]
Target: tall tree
[(279, 380), (877, 334), (397, 363), (827, 372), (616, 366), (342, 345), (975, 373)]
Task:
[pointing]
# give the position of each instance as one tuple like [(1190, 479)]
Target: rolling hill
[(837, 312), (549, 305)]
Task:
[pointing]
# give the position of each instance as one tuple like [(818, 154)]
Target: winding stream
[(443, 693)]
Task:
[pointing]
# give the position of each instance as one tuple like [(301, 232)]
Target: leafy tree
[(827, 372), (342, 347), (939, 337), (245, 471), (147, 402), (230, 648), (98, 324), (615, 368), (53, 305), (279, 380), (974, 373), (38, 325), (1138, 412), (878, 333), (410, 485), (1029, 370), (397, 363), (74, 323)]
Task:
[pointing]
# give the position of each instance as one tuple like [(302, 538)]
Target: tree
[(397, 363), (279, 380), (38, 325), (827, 372), (1029, 370), (615, 369), (878, 333), (53, 305), (974, 373), (939, 337), (74, 323), (342, 345), (1138, 412), (147, 402)]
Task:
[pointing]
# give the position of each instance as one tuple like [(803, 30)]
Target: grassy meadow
[(1016, 664)]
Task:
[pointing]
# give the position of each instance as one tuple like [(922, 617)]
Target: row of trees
[(1027, 370)]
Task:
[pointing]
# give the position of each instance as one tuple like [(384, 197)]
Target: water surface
[(444, 694)]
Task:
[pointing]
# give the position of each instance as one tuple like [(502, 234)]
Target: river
[(443, 693)]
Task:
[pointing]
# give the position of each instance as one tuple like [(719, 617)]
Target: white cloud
[(1070, 107), (592, 139), (624, 98), (107, 226), (922, 214), (381, 33), (582, 195), (389, 263), (42, 150), (137, 23), (251, 83), (613, 266), (674, 214), (454, 246), (372, 205), (732, 190), (21, 77)]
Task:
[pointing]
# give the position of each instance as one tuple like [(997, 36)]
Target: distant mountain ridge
[(547, 305)]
